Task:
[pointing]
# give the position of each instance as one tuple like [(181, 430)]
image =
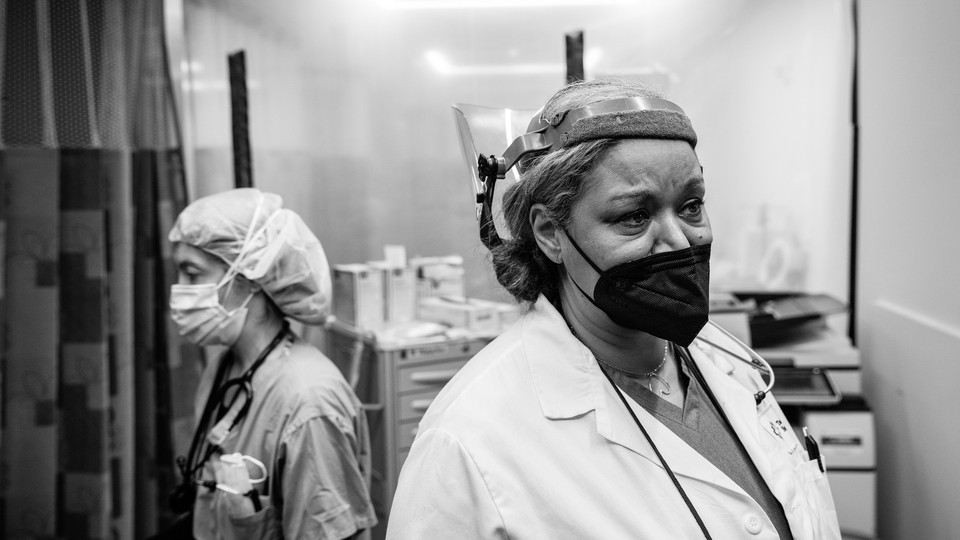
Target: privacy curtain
[(96, 390)]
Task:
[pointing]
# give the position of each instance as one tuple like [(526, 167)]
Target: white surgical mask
[(199, 317), (196, 309)]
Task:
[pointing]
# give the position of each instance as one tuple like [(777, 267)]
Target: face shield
[(488, 129), (483, 129)]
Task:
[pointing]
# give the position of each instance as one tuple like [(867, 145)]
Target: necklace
[(665, 391)]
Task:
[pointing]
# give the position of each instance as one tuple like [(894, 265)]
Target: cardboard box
[(507, 314), (358, 295), (439, 276), (399, 292), (460, 312)]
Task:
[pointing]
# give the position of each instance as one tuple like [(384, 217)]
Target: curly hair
[(555, 180)]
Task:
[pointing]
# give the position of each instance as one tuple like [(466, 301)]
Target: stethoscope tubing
[(755, 361)]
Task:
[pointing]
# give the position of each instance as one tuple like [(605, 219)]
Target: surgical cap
[(269, 245)]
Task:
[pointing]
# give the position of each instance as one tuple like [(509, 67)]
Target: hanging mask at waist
[(665, 295)]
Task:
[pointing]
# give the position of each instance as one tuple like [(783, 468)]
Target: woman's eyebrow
[(633, 195), (694, 180), (188, 265)]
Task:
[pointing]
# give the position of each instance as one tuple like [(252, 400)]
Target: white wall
[(909, 255), (350, 115)]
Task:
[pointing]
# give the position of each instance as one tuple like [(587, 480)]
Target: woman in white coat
[(613, 409)]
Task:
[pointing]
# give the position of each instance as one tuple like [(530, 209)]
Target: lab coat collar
[(559, 364), (569, 384)]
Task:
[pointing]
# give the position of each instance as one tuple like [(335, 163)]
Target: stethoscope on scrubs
[(755, 361), (223, 398)]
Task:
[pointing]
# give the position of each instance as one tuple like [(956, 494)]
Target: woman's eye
[(635, 219), (693, 208)]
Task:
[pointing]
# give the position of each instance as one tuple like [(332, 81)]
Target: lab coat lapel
[(615, 424), (569, 384), (736, 400)]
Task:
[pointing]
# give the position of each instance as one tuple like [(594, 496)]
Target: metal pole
[(240, 117), (574, 56)]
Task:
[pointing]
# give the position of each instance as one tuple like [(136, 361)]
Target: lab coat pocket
[(818, 500), (816, 488)]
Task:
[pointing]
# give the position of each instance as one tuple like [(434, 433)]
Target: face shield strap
[(487, 171), (622, 118), (614, 118)]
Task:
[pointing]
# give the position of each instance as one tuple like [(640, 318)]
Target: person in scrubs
[(281, 448), (612, 409)]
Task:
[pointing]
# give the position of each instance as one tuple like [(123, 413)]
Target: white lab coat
[(529, 441)]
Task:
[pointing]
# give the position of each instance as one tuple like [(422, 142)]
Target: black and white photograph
[(479, 269)]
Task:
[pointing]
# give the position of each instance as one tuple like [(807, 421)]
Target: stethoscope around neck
[(223, 397), (754, 360)]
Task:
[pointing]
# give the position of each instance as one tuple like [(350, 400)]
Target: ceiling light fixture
[(495, 4)]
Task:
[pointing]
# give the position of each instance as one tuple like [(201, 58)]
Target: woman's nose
[(670, 236)]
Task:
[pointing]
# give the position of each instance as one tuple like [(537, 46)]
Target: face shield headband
[(624, 118)]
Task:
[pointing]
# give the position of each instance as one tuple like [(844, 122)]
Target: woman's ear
[(546, 232)]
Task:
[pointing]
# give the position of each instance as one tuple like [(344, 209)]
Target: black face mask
[(665, 295)]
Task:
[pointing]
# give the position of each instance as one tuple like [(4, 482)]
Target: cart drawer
[(431, 376)]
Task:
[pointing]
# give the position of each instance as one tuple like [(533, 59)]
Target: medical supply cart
[(396, 379)]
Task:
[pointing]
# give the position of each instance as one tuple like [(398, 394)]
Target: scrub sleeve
[(324, 494)]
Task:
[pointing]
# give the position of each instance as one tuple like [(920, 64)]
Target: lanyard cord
[(676, 483)]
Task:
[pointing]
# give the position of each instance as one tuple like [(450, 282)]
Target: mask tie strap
[(252, 234), (592, 265), (247, 246), (582, 254), (244, 249), (260, 465), (237, 309)]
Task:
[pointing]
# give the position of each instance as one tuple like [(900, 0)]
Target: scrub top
[(305, 424)]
